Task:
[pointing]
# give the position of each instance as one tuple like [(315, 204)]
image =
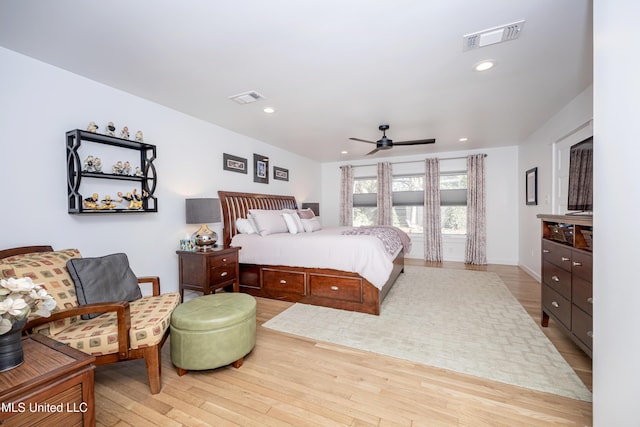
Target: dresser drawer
[(582, 265), (582, 326), (582, 294), (557, 254), (557, 278), (336, 287), (283, 281), (556, 304)]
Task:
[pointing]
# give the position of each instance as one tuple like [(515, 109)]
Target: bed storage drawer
[(336, 287), (283, 281)]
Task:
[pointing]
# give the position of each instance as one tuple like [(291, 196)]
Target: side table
[(207, 271), (54, 386)]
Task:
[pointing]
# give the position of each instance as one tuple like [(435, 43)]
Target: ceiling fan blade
[(363, 140), (416, 142), (373, 152)]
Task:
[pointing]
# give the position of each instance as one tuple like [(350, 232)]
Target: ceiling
[(331, 69)]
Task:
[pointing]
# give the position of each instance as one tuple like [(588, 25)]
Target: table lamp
[(203, 211)]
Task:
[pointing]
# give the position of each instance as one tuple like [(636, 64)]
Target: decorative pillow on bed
[(269, 221), (244, 226), (292, 226), (311, 225), (306, 213), (103, 279)]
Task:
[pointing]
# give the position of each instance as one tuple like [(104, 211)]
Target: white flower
[(18, 298)]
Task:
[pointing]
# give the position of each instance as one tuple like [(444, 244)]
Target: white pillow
[(311, 225), (291, 223), (268, 221), (296, 218), (244, 226)]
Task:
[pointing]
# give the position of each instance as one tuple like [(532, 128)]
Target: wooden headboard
[(237, 205)]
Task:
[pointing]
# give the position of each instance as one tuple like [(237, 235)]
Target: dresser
[(208, 271), (54, 386), (567, 276)]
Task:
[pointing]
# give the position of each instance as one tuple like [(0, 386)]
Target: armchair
[(124, 330)]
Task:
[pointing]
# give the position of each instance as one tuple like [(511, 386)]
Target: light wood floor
[(293, 381)]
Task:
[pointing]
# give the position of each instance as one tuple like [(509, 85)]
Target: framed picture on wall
[(234, 163), (280, 173), (531, 179), (260, 169)]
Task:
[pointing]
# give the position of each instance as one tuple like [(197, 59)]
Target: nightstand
[(207, 271), (54, 386)]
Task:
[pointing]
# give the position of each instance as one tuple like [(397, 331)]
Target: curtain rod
[(416, 161)]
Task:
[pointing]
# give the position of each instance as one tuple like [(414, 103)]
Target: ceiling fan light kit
[(385, 143)]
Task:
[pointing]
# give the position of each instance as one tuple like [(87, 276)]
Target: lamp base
[(205, 239)]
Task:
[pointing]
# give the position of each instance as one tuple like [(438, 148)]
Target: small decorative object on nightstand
[(203, 211), (207, 271)]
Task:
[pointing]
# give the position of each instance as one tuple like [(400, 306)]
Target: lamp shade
[(315, 207), (202, 211)]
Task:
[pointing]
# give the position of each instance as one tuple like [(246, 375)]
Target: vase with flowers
[(18, 299)]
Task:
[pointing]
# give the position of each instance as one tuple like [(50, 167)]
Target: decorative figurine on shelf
[(124, 133), (128, 197), (138, 199), (93, 128), (117, 168), (91, 202), (126, 168), (110, 129), (139, 171), (89, 164), (107, 203), (97, 165), (139, 137)]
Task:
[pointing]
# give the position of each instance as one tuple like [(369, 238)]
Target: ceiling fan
[(385, 143)]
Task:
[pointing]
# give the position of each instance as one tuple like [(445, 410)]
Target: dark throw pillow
[(103, 279)]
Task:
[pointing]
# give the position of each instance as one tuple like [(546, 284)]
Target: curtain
[(476, 252), (385, 193), (346, 195), (432, 225)]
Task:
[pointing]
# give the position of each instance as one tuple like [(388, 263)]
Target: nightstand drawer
[(223, 273), (283, 281), (224, 259), (556, 304)]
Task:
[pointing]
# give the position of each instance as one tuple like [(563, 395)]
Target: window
[(408, 202)]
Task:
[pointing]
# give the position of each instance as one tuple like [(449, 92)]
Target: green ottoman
[(212, 331)]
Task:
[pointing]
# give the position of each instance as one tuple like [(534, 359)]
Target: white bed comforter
[(326, 248)]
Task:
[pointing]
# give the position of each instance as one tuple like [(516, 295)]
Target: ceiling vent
[(246, 97), (491, 36)]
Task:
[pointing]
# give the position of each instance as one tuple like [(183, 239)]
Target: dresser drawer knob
[(590, 334), (590, 300), (565, 259), (224, 273), (555, 304), (224, 260), (546, 251), (555, 278), (577, 264), (334, 288), (282, 281)]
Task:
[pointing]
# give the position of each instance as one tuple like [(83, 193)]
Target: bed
[(269, 271)]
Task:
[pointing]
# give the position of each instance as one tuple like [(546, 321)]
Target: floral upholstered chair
[(116, 331)]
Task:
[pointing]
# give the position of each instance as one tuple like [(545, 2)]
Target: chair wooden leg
[(238, 363), (153, 361), (181, 371)]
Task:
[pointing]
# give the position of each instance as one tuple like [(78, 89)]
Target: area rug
[(464, 321)]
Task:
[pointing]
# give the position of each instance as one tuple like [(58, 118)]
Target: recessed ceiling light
[(269, 110), (344, 152), (463, 139), (484, 65)]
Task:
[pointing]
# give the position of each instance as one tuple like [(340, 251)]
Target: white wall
[(39, 103), (502, 195), (616, 313), (537, 151)]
